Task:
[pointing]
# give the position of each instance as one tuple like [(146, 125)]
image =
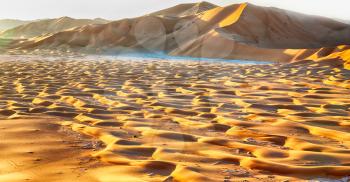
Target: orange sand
[(173, 121), (38, 149)]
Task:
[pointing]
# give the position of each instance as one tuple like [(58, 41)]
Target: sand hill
[(239, 31), (47, 26), (6, 24)]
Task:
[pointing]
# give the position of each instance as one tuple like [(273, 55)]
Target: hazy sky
[(117, 9)]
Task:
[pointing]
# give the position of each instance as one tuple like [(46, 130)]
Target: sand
[(102, 120), (38, 149)]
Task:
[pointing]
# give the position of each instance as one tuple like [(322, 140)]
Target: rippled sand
[(166, 121)]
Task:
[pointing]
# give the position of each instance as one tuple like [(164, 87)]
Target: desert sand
[(103, 120), (66, 117), (38, 149)]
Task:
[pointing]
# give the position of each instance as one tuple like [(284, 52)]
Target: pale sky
[(117, 9)]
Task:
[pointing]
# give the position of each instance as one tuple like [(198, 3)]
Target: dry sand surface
[(38, 149), (130, 121)]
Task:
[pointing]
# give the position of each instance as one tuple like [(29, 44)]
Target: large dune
[(47, 26), (240, 31)]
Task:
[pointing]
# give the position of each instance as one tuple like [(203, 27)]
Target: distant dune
[(47, 26), (185, 9), (239, 31), (6, 24)]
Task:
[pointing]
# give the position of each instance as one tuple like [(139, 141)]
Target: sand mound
[(48, 26)]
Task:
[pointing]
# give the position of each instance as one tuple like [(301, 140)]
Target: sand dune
[(47, 26), (240, 31), (335, 56), (276, 28), (6, 24), (182, 121)]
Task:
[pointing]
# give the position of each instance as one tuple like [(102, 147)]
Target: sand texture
[(127, 121), (38, 149)]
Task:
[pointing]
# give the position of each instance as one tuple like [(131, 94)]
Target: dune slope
[(276, 28)]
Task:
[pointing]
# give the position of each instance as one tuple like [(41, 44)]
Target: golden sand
[(38, 149), (173, 121)]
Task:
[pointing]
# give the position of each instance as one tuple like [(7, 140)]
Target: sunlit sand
[(171, 97), (96, 120)]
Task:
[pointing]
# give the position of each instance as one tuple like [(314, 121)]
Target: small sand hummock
[(81, 120)]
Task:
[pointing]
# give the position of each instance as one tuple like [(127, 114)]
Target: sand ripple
[(177, 121)]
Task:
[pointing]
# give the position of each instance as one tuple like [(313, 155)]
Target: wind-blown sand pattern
[(178, 121)]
